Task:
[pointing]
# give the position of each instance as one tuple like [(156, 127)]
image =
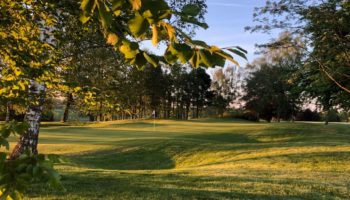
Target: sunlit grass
[(199, 159)]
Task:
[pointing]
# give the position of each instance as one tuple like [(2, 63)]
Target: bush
[(308, 115), (47, 116), (344, 116), (245, 114), (333, 116)]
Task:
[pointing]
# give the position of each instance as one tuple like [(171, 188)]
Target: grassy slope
[(205, 159)]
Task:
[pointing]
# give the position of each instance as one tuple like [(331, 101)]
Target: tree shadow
[(137, 124), (134, 158), (117, 185), (232, 138)]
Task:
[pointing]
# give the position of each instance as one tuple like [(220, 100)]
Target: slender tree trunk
[(68, 105), (8, 112), (29, 140), (197, 109), (100, 112), (326, 122)]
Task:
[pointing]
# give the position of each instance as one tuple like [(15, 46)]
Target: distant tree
[(273, 89), (224, 88), (325, 27)]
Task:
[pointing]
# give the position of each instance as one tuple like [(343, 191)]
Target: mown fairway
[(204, 159)]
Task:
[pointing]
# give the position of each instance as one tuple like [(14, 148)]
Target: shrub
[(308, 115), (245, 114)]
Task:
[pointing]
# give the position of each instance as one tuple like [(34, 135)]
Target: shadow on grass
[(233, 138), (96, 185), (127, 159), (137, 124)]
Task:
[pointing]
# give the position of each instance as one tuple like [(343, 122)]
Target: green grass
[(199, 159)]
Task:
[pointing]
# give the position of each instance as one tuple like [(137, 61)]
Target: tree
[(324, 26), (28, 54), (224, 88), (272, 90)]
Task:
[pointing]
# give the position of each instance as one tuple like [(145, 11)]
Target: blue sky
[(226, 20)]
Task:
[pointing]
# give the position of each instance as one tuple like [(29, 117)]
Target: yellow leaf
[(171, 32), (155, 35), (136, 4), (112, 39), (17, 71)]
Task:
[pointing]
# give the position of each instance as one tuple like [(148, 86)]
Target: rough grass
[(199, 159)]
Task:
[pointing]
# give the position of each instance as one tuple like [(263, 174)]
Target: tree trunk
[(101, 116), (327, 118), (8, 112), (197, 110), (29, 140), (68, 105)]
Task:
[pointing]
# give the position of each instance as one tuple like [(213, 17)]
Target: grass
[(199, 159)]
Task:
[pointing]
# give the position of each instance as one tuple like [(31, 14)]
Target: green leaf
[(5, 143), (193, 20), (194, 60), (239, 53), (105, 15), (183, 52), (6, 131), (241, 49), (117, 4), (199, 43), (205, 57), (88, 7), (191, 9), (139, 61)]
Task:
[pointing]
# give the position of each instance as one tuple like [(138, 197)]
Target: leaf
[(194, 60), (191, 9), (151, 59), (241, 49), (171, 31), (112, 39), (5, 143), (6, 131), (154, 35), (204, 58), (129, 49), (105, 16), (194, 21), (88, 7), (117, 4), (2, 157), (155, 10), (227, 57), (239, 53), (135, 4), (198, 43), (138, 25), (170, 55), (140, 61)]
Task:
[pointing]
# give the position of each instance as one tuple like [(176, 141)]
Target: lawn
[(199, 159)]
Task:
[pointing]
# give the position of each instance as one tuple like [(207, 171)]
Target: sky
[(226, 20)]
